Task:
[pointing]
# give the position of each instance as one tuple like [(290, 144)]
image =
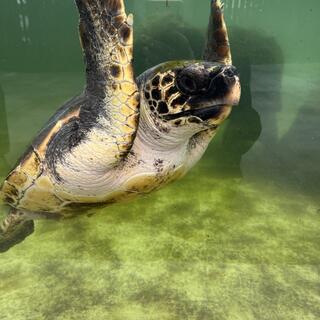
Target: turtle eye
[(187, 85)]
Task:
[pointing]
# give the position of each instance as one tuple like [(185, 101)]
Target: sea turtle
[(122, 137)]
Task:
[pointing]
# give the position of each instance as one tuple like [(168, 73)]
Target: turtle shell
[(29, 186)]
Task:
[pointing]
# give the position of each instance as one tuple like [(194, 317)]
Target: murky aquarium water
[(238, 236)]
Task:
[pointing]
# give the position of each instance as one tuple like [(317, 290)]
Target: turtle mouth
[(213, 103), (204, 114)]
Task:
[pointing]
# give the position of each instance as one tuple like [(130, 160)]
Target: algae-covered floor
[(237, 238), (201, 249)]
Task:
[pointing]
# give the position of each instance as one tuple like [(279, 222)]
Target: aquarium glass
[(238, 237)]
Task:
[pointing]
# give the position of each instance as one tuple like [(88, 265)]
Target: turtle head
[(190, 96)]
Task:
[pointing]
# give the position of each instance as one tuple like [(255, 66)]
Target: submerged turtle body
[(33, 187), (123, 136)]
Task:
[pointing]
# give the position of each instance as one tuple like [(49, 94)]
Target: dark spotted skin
[(160, 92), (162, 107), (175, 95)]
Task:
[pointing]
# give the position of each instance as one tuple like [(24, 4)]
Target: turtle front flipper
[(217, 47), (109, 117), (14, 229)]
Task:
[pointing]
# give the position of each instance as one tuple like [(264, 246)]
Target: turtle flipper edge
[(217, 46), (14, 229)]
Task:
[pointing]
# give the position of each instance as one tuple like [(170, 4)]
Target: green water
[(238, 237)]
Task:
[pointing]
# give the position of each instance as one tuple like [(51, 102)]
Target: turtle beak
[(224, 90)]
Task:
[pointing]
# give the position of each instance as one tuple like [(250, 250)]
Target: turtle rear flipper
[(14, 229)]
